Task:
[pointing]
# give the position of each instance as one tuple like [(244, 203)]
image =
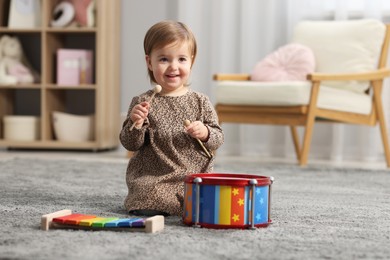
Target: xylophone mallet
[(156, 89), (187, 123)]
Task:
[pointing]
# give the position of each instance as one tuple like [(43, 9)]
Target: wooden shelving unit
[(100, 98)]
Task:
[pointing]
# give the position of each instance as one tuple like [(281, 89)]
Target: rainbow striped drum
[(224, 200)]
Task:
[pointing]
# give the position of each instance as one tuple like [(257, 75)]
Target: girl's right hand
[(139, 113)]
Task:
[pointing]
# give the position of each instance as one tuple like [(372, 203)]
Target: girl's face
[(171, 67)]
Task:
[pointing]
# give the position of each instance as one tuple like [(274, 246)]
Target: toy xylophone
[(65, 219)]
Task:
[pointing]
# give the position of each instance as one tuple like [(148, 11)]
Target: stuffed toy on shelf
[(12, 68), (74, 13)]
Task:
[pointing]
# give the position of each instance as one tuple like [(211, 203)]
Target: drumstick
[(156, 89), (187, 123)]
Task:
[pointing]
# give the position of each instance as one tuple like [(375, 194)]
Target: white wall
[(137, 17)]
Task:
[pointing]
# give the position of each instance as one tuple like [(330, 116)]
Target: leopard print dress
[(165, 153)]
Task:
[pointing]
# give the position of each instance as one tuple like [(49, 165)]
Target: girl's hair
[(166, 32)]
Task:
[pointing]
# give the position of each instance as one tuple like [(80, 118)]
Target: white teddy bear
[(12, 70)]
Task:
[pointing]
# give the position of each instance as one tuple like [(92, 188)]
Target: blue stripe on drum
[(261, 204), (207, 203)]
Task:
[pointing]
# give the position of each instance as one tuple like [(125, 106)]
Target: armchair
[(346, 87)]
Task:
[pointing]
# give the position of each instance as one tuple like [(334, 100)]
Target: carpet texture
[(317, 213)]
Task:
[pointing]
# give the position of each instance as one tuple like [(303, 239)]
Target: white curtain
[(234, 35)]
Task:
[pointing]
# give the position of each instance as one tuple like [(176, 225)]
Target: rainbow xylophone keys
[(64, 219)]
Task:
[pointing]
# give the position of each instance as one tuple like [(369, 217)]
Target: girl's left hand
[(198, 130)]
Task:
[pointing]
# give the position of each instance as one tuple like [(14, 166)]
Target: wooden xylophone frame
[(152, 224)]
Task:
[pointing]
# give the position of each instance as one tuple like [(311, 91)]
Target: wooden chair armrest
[(239, 77), (372, 75)]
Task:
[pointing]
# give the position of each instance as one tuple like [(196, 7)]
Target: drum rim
[(236, 179), (225, 226)]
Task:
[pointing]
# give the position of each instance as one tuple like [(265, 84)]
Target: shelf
[(49, 145), (77, 30), (44, 96), (5, 30), (83, 86), (21, 86)]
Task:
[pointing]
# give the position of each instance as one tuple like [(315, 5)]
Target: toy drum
[(224, 200)]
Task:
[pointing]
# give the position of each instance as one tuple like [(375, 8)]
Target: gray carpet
[(317, 212)]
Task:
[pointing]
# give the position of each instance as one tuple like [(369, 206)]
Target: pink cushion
[(288, 63)]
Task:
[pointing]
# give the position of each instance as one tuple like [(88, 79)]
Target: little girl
[(166, 150)]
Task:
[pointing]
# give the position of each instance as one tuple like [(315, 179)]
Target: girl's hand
[(198, 130), (139, 113)]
